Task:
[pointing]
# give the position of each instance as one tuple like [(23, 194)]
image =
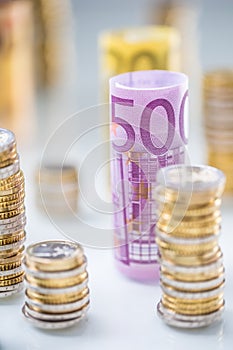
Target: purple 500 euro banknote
[(148, 131)]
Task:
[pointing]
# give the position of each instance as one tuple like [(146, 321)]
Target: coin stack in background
[(57, 294), (218, 118), (12, 216), (191, 272), (57, 190)]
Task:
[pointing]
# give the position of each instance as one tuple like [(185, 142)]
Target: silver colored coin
[(50, 324), (7, 139), (73, 289), (54, 250), (193, 295), (192, 270), (16, 245), (205, 285), (19, 227), (54, 275), (14, 288), (56, 317), (186, 241), (11, 272), (181, 321), (68, 307), (14, 219), (10, 170)]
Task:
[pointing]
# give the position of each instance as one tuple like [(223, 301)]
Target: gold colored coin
[(10, 239), (186, 250), (192, 277), (11, 213), (191, 261), (11, 179), (198, 309), (10, 266), (15, 181), (189, 231), (18, 188), (12, 281), (10, 276), (13, 197), (15, 258), (56, 298), (57, 283), (9, 161)]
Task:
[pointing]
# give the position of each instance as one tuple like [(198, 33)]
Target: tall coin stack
[(218, 110), (57, 294), (12, 216), (191, 272), (58, 189)]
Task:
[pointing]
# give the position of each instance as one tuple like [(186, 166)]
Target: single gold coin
[(197, 210), (56, 298), (191, 302), (189, 231), (9, 161), (16, 179), (12, 179), (18, 188), (8, 153), (193, 291), (10, 276), (12, 281), (11, 213), (13, 197), (186, 250), (12, 238), (199, 309), (192, 277), (10, 266), (57, 283), (7, 208), (191, 261)]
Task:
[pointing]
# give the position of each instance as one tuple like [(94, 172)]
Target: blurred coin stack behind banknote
[(12, 216), (57, 294), (192, 272), (57, 189), (218, 110)]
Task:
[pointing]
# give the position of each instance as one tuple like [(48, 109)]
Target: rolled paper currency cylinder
[(148, 131), (218, 101)]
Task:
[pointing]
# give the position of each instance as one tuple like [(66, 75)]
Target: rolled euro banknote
[(149, 118)]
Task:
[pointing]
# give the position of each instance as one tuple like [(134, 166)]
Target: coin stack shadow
[(57, 189), (12, 216), (191, 271), (57, 294), (218, 119)]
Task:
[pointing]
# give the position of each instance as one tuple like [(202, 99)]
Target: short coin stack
[(191, 272), (218, 111), (57, 294), (58, 189), (12, 216)]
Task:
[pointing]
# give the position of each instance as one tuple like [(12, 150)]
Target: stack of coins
[(57, 294), (218, 110), (58, 189), (191, 272), (12, 216)]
